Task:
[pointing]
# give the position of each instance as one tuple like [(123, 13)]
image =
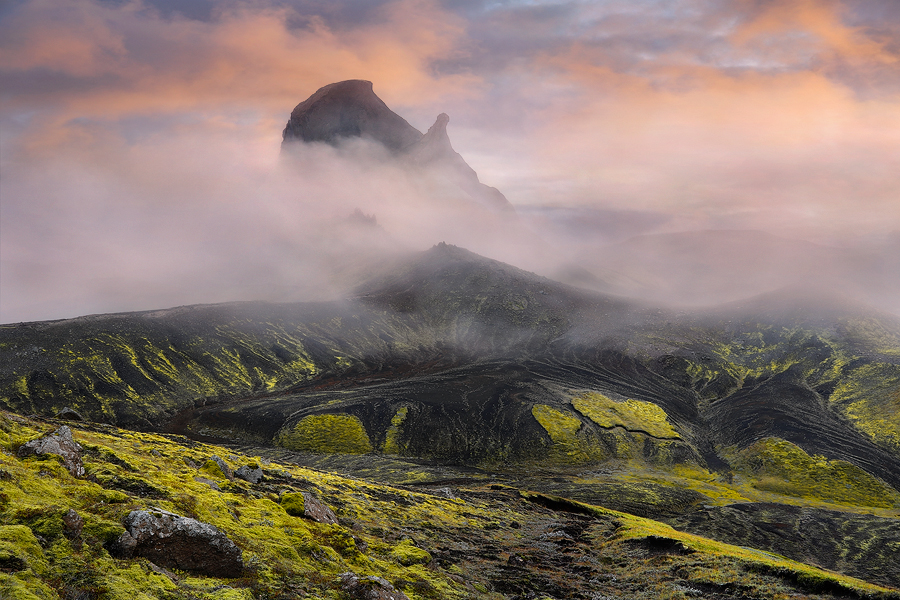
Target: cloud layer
[(139, 140)]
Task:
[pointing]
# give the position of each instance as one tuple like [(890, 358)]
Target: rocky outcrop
[(178, 542), (369, 588), (348, 109), (434, 151), (61, 444), (351, 109), (304, 504), (248, 473)]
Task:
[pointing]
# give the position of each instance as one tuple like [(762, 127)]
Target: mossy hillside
[(779, 466), (716, 360), (575, 442), (404, 536), (392, 443), (283, 550), (633, 415), (870, 396), (326, 434), (139, 372), (733, 562)]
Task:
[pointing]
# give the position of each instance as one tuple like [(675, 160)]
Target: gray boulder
[(176, 542), (369, 588), (251, 474), (60, 443)]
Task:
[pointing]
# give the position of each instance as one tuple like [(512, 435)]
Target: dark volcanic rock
[(179, 543), (435, 152), (351, 109), (348, 109), (69, 414), (60, 443), (370, 588)]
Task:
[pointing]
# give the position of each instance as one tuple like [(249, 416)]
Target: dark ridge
[(348, 109)]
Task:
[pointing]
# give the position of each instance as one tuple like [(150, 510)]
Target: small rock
[(317, 511), (208, 482), (176, 542), (226, 470), (369, 588), (60, 443), (446, 493), (69, 414), (72, 524), (515, 561), (190, 463), (251, 474)]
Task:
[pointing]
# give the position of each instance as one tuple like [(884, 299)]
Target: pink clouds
[(158, 129)]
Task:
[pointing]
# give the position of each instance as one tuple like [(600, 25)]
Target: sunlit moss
[(392, 443), (406, 553), (870, 396), (633, 415), (330, 433), (779, 466)]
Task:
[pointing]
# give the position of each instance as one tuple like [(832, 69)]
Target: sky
[(139, 140)]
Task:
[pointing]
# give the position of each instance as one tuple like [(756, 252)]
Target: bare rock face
[(435, 152), (177, 542), (253, 474), (60, 443), (348, 109), (351, 109), (317, 511), (370, 588)]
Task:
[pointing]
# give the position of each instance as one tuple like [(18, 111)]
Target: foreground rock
[(370, 588), (304, 504), (178, 542), (61, 444)]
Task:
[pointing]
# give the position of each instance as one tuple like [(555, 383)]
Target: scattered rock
[(317, 511), (72, 524), (304, 504), (190, 463), (226, 470), (446, 492), (176, 542), (69, 414), (369, 588), (208, 482), (60, 443), (251, 474)]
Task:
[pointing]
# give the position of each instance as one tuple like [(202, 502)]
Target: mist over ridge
[(285, 226)]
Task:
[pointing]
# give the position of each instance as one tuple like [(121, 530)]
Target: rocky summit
[(454, 428), (351, 109)]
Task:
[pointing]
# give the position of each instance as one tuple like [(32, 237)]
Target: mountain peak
[(351, 108), (348, 109)]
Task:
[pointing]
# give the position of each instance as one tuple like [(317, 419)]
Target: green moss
[(870, 396), (407, 553), (633, 415), (392, 443), (212, 468), (327, 434), (19, 549), (294, 504), (779, 466), (564, 429), (24, 588)]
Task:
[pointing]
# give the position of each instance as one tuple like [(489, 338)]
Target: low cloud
[(140, 140)]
